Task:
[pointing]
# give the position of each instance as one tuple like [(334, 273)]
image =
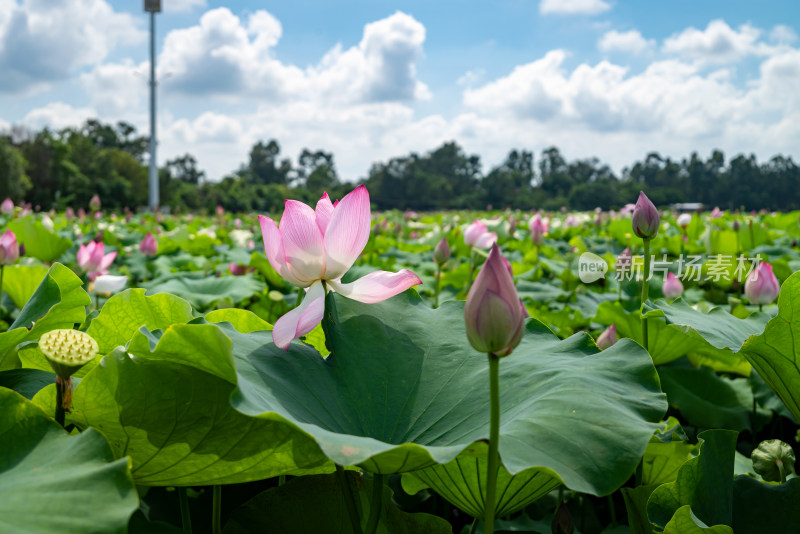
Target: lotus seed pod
[(67, 350), (770, 456)]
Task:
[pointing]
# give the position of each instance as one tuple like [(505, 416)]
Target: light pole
[(153, 7)]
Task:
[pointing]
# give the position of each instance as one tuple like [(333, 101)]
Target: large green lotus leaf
[(667, 451), (20, 282), (708, 400), (666, 344), (316, 504), (39, 242), (53, 482), (202, 292), (58, 302), (683, 523), (704, 483), (26, 382), (175, 421), (463, 483), (123, 314), (718, 328), (242, 320), (403, 389), (775, 354), (759, 507)]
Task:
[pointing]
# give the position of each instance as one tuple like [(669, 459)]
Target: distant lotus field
[(329, 368)]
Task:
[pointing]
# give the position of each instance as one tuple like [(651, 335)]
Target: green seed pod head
[(67, 350), (766, 457)]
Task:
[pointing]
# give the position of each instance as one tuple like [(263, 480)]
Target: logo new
[(591, 267)]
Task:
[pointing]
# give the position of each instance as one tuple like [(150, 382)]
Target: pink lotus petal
[(83, 255), (273, 246), (107, 260), (486, 240), (96, 252), (348, 232), (302, 242), (302, 319), (377, 286), (324, 211)]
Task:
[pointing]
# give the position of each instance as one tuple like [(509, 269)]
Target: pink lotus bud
[(736, 225), (493, 313), (251, 244), (441, 253), (762, 286), (9, 249), (672, 288), (538, 229), (608, 337), (237, 222), (7, 207), (716, 212), (94, 203), (562, 522), (645, 218), (148, 246), (413, 235), (684, 220), (237, 269), (69, 213), (220, 210), (477, 235)]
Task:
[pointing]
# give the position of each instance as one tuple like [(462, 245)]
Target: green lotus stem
[(612, 510), (761, 307), (645, 290), (186, 516), (494, 438), (2, 272), (281, 480), (473, 529), (781, 470), (471, 270), (63, 398), (216, 510), (752, 235), (436, 288), (376, 504), (349, 500)]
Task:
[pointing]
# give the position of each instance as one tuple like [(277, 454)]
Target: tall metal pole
[(153, 197)]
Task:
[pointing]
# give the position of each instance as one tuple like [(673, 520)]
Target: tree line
[(58, 169)]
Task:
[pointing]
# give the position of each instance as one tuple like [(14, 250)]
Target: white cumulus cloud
[(718, 43), (44, 41), (630, 41), (573, 7)]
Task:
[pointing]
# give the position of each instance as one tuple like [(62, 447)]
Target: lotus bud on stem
[(645, 221), (67, 351), (495, 320)]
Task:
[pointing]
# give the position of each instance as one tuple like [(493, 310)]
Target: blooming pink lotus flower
[(538, 229), (761, 286), (148, 246), (477, 235), (314, 248), (672, 288), (608, 337), (716, 212), (9, 248), (7, 207), (93, 259), (645, 218), (494, 314)]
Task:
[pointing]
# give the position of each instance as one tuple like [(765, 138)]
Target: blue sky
[(370, 80)]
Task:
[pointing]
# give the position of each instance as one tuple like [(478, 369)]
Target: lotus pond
[(346, 371)]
